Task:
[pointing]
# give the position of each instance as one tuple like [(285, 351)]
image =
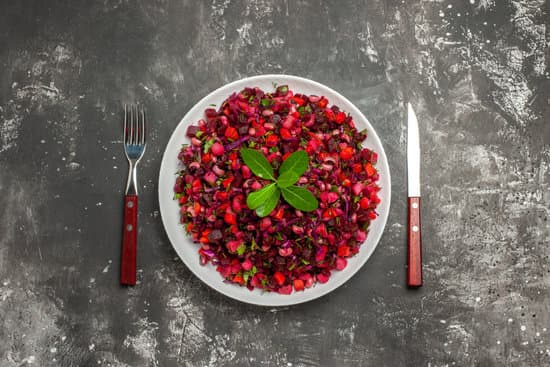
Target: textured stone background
[(477, 71)]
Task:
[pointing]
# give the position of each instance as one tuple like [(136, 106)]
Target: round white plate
[(187, 250)]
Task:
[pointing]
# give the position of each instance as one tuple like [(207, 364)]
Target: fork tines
[(134, 124)]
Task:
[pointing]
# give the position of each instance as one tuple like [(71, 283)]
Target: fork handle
[(129, 241), (414, 244)]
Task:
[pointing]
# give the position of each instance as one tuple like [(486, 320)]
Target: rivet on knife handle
[(414, 244)]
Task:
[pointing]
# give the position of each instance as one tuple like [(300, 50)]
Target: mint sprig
[(266, 199)]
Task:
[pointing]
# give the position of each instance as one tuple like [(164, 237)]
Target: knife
[(414, 239)]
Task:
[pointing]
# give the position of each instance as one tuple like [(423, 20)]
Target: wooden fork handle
[(414, 244), (129, 241)]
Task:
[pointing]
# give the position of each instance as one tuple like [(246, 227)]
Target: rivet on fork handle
[(128, 263)]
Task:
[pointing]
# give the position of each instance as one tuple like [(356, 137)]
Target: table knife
[(414, 238)]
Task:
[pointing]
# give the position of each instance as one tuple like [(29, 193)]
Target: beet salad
[(276, 189)]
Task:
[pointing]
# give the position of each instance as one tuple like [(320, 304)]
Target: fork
[(134, 147)]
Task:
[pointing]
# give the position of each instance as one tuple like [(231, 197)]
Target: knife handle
[(414, 244), (128, 262)]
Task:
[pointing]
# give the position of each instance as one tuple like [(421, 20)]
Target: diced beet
[(243, 129), (192, 131), (215, 235)]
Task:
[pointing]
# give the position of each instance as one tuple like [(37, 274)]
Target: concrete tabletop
[(477, 73)]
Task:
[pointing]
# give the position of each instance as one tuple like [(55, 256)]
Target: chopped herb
[(266, 102), (212, 104), (199, 134), (279, 236), (304, 110), (254, 245), (249, 273), (305, 262), (283, 89), (241, 249), (209, 144)]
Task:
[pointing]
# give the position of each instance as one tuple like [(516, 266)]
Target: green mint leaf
[(258, 163), (300, 198), (269, 204), (254, 245), (287, 179), (297, 162), (257, 198)]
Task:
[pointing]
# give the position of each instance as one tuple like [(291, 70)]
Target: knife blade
[(414, 238)]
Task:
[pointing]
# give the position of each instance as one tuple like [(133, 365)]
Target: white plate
[(187, 250)]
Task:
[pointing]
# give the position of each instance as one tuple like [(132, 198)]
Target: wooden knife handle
[(128, 262), (414, 244)]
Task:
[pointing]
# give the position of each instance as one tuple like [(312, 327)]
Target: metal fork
[(134, 147)]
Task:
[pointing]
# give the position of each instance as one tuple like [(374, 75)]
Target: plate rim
[(284, 300)]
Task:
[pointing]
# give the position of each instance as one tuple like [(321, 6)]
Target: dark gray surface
[(477, 73)]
